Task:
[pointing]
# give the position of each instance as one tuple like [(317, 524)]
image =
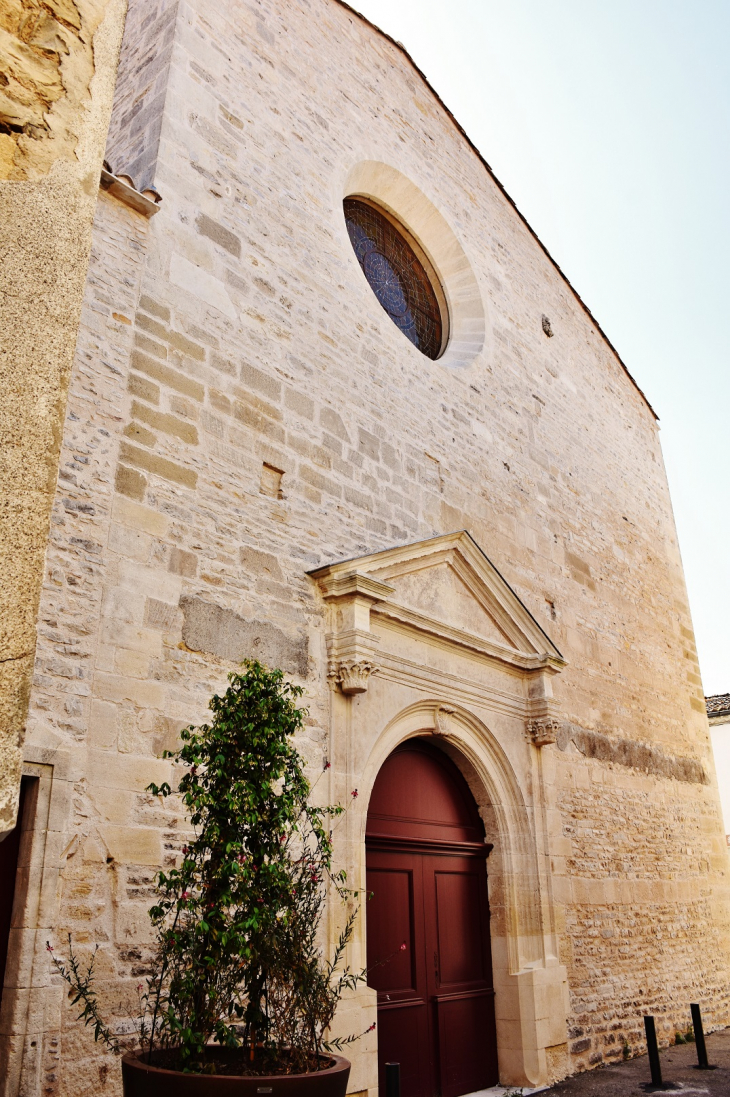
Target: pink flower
[(49, 948), (139, 986), (327, 765), (185, 895), (185, 849), (371, 1027), (403, 947), (354, 794)]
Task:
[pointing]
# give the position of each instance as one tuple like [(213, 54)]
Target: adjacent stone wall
[(88, 870), (46, 67), (243, 411), (636, 908), (57, 63)]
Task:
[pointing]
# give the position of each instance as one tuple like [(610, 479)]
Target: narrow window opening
[(271, 479)]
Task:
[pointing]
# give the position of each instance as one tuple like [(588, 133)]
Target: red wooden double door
[(428, 926)]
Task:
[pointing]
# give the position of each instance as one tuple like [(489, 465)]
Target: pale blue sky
[(608, 122)]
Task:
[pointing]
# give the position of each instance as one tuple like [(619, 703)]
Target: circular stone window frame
[(432, 239)]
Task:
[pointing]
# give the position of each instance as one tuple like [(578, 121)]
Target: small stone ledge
[(121, 187)]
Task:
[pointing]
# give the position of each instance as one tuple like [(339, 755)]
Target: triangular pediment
[(449, 585), (440, 593)]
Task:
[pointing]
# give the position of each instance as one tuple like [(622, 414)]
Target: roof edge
[(500, 186)]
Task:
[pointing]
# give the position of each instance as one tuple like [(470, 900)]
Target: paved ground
[(633, 1079)]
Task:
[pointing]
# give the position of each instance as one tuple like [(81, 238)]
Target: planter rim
[(133, 1059)]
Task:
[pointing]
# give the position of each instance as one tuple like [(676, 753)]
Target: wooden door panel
[(467, 1054), (391, 968), (403, 1038), (395, 918), (459, 920), (457, 923)]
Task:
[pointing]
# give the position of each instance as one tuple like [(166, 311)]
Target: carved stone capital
[(543, 731), (352, 675)]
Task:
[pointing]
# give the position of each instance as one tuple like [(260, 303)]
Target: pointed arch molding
[(445, 595), (466, 738)]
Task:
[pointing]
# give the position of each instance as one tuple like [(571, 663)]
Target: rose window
[(403, 282)]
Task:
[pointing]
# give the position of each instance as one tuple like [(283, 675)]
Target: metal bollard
[(699, 1037), (653, 1049), (392, 1080)]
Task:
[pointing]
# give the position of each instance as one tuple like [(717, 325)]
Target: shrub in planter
[(239, 984)]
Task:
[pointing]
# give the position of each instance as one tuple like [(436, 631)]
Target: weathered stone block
[(167, 376), (150, 346), (103, 724), (158, 466), (140, 435), (160, 615), (180, 342), (139, 517), (182, 562), (170, 424), (113, 687), (260, 563), (210, 628), (332, 422), (133, 773), (154, 308), (129, 542), (152, 327), (146, 390), (256, 379), (219, 234), (130, 482)]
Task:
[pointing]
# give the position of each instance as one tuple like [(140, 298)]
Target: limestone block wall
[(57, 64), (242, 411)]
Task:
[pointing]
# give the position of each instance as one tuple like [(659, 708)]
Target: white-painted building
[(718, 712)]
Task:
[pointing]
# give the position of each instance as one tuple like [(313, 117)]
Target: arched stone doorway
[(428, 944), (427, 640)]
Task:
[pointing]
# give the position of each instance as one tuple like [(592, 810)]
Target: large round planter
[(141, 1079)]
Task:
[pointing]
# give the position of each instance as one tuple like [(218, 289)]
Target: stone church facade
[(475, 549)]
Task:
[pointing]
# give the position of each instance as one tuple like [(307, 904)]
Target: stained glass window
[(396, 275)]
